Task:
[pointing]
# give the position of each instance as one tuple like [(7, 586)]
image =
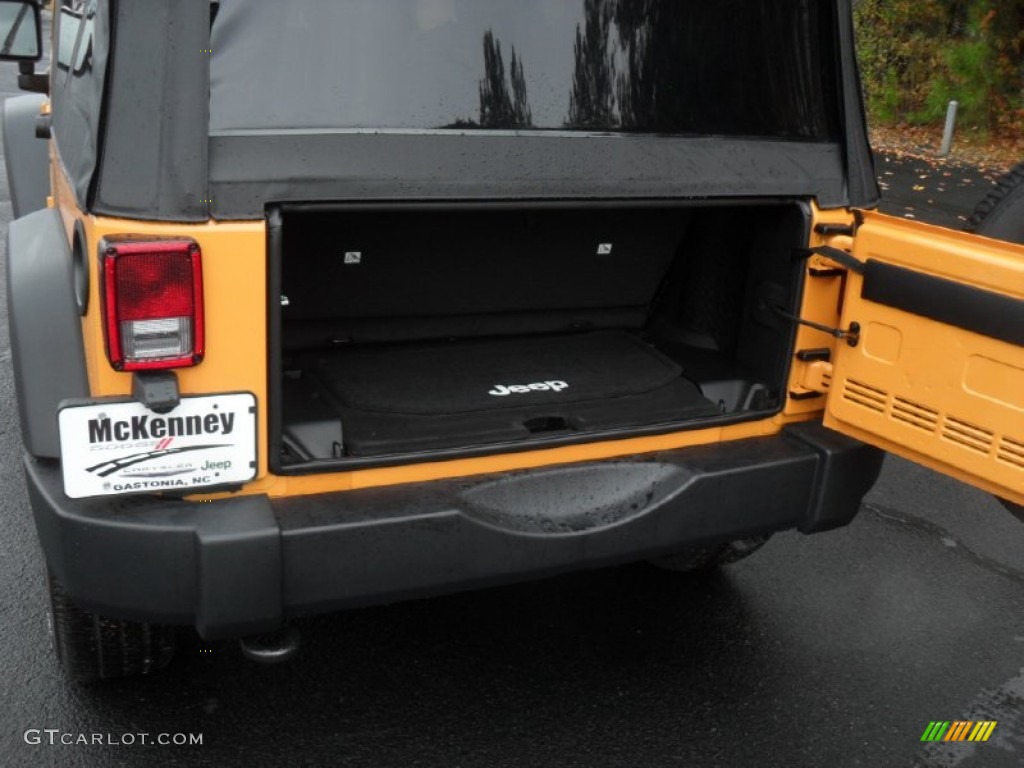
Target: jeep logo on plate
[(501, 390)]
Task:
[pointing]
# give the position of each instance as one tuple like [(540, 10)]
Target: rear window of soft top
[(752, 68)]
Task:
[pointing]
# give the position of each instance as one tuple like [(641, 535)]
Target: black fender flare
[(27, 157), (45, 327)]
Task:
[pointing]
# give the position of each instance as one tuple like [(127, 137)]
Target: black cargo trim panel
[(973, 309)]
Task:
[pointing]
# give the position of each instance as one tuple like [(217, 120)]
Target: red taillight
[(152, 303)]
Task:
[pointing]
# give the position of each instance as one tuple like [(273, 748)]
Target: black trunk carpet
[(399, 398)]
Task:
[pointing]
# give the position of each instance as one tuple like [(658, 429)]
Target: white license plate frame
[(118, 447)]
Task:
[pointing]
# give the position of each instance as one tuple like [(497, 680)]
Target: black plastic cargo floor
[(398, 398)]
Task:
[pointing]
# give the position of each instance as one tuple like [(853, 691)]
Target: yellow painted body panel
[(234, 275), (948, 398)]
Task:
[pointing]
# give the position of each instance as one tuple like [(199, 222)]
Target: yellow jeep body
[(848, 330)]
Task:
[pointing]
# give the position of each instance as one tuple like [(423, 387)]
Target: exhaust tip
[(272, 647)]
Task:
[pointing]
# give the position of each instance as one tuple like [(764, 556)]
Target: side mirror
[(20, 31)]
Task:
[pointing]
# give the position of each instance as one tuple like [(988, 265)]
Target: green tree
[(503, 104), (917, 55)]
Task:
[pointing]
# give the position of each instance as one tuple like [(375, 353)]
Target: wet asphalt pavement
[(935, 191), (830, 650)]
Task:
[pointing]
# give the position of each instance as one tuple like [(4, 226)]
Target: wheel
[(709, 558), (91, 647), (1001, 214)]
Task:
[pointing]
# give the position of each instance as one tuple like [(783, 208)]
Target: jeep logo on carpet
[(500, 390)]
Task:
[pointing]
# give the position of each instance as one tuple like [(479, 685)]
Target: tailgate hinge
[(835, 255), (816, 377)]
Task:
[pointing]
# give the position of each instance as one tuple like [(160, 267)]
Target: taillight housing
[(152, 302)]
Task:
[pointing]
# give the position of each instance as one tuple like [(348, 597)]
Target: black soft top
[(153, 151)]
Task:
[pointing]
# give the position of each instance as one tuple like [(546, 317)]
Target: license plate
[(123, 447)]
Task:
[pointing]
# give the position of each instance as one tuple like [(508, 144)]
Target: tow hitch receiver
[(272, 647)]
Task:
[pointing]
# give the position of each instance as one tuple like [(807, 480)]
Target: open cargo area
[(445, 328)]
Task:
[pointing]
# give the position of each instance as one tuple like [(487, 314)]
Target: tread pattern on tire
[(90, 647), (1006, 188)]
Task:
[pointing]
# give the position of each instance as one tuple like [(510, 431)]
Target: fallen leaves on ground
[(992, 156)]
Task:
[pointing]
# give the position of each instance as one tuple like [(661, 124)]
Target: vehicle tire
[(709, 558), (91, 647), (1001, 214)]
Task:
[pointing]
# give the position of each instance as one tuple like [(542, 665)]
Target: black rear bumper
[(242, 565)]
